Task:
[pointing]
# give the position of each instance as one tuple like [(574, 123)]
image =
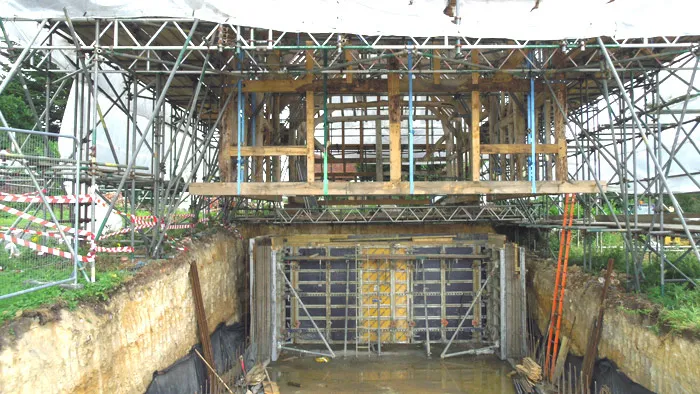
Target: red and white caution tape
[(25, 194), (83, 198), (46, 223), (132, 218), (118, 249), (45, 249), (181, 226), (127, 230), (51, 234), (144, 219)]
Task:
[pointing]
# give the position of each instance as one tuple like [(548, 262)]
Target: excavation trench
[(372, 295)]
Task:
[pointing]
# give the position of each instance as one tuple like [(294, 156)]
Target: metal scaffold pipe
[(151, 119), (241, 127), (410, 120), (650, 149)]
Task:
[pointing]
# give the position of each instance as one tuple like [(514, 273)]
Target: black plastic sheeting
[(606, 373), (188, 374)]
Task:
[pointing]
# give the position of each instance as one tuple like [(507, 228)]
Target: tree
[(18, 113)]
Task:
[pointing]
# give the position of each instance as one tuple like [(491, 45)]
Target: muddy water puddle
[(400, 372)]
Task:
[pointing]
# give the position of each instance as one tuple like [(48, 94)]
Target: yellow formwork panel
[(377, 274)]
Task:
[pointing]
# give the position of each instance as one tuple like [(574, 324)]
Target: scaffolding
[(267, 125)]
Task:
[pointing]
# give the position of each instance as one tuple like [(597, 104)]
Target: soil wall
[(663, 363), (114, 347)]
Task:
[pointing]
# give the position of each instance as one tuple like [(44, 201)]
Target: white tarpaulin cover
[(554, 19)]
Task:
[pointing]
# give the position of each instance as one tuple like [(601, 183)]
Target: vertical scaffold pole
[(531, 126), (325, 125), (410, 118), (241, 126)]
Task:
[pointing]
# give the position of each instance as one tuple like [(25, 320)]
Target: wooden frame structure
[(474, 134)]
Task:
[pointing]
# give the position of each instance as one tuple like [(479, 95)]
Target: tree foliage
[(18, 113)]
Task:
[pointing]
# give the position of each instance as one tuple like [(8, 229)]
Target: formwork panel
[(364, 291)]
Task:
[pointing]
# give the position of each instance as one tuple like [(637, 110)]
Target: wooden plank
[(380, 86), (376, 201), (271, 388), (394, 128), (518, 148), (348, 59), (561, 357), (200, 313), (475, 130), (379, 148), (392, 188), (259, 139), (257, 151), (276, 138), (436, 67), (310, 114), (229, 125), (562, 171), (384, 103), (360, 118), (310, 130), (596, 331)]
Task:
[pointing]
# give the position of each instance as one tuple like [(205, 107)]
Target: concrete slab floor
[(401, 371)]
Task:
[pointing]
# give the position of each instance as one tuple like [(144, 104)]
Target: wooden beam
[(363, 118), (436, 67), (562, 171), (348, 59), (392, 188), (394, 128), (384, 103), (257, 151), (475, 130), (228, 127), (310, 114), (371, 148), (380, 86), (378, 149), (201, 318), (491, 149), (376, 201), (514, 60)]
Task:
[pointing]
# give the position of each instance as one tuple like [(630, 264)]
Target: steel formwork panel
[(375, 275)]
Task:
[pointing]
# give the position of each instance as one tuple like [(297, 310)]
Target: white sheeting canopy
[(554, 19)]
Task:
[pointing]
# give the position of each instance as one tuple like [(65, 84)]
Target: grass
[(680, 310), (23, 272), (99, 291), (678, 306)]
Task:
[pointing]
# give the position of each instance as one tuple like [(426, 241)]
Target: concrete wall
[(665, 363), (145, 326)]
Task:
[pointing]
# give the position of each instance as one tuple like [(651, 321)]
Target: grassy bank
[(105, 282), (675, 309)]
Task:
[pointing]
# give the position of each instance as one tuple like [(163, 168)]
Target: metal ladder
[(559, 286)]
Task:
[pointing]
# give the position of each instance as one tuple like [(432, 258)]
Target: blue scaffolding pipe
[(410, 119), (531, 126), (241, 126)]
